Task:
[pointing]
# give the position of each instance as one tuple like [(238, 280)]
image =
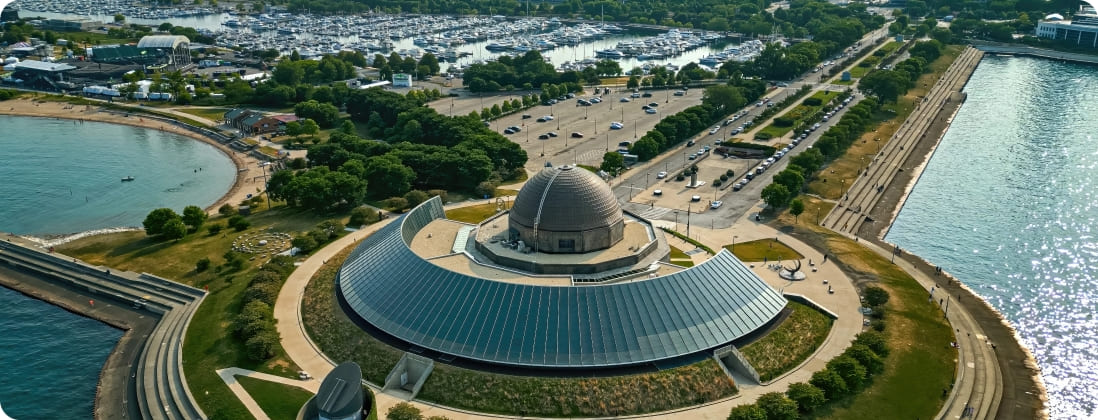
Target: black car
[(514, 128), (653, 105), (646, 95), (525, 116), (508, 131), (552, 134), (577, 135), (542, 119), (543, 137)]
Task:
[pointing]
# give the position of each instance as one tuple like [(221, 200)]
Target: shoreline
[(38, 108), (1023, 386), (117, 368)]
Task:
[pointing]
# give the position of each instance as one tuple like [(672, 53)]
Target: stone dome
[(565, 204)]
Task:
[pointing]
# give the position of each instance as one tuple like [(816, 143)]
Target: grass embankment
[(472, 214), (828, 183), (212, 114), (340, 339), (790, 344), (279, 401), (921, 363), (799, 113), (208, 345), (680, 258), (769, 249)]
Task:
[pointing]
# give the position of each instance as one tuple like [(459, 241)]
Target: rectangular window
[(566, 244)]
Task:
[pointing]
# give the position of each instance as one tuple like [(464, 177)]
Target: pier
[(153, 372)]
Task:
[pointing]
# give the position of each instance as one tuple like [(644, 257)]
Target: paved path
[(229, 376), (866, 190)]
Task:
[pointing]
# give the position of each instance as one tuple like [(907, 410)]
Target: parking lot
[(679, 195), (592, 122)]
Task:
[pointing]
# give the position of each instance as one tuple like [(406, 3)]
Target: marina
[(459, 40)]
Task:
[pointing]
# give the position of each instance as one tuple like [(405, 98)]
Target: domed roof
[(566, 199)]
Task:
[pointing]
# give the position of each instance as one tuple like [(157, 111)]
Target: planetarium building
[(563, 280)]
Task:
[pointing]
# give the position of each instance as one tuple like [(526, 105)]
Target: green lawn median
[(278, 401)]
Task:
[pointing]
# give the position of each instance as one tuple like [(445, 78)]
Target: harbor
[(458, 40)]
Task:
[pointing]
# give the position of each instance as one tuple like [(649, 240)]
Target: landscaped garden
[(278, 401), (763, 249), (791, 343), (807, 111)]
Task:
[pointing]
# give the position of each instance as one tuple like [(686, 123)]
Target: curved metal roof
[(162, 41), (566, 199), (622, 324)]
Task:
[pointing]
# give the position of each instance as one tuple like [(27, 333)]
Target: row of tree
[(255, 325), (844, 375), (426, 66), (888, 85), (170, 225)]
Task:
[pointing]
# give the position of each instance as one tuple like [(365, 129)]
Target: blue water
[(63, 177), (49, 359), (1008, 205)]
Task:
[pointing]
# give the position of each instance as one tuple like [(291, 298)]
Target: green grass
[(790, 343), (804, 111), (207, 346), (212, 114), (680, 258), (340, 339), (279, 401), (768, 249), (472, 214)]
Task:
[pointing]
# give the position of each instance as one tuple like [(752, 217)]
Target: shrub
[(397, 204), (679, 177), (403, 411), (415, 197), (875, 341), (441, 194), (304, 243), (730, 173), (747, 412), (261, 346), (717, 182), (226, 210), (265, 276), (852, 372), (829, 382), (813, 102), (724, 177), (763, 136), (866, 357), (875, 296), (262, 292), (362, 216), (777, 406), (202, 265), (215, 228), (784, 121), (239, 223), (807, 397), (486, 189)]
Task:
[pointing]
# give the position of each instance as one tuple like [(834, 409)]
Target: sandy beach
[(242, 186)]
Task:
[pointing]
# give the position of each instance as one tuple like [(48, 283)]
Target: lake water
[(64, 177), (1008, 204), (49, 359)]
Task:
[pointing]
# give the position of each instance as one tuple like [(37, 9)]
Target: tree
[(723, 98), (796, 207), (174, 229), (612, 162), (852, 372), (202, 265), (829, 382), (777, 406), (807, 397), (309, 126), (119, 18), (194, 217), (361, 216), (239, 223), (866, 357), (775, 195), (262, 346), (633, 82), (387, 176), (875, 341), (886, 85), (156, 220), (645, 148), (226, 210), (403, 411), (431, 62), (792, 180), (747, 412), (876, 296), (347, 127)]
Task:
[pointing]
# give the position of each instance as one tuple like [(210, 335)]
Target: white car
[(715, 130), (616, 125), (716, 204), (661, 175), (624, 99), (657, 192), (696, 198)]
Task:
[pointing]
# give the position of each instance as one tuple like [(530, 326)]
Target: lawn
[(921, 363), (833, 180), (680, 258), (768, 249), (279, 401), (207, 346), (801, 111), (472, 214), (212, 114), (790, 343), (460, 388)]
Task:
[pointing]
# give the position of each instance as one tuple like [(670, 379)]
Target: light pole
[(734, 243), (646, 179), (634, 129), (676, 219), (630, 191), (607, 142), (596, 125)]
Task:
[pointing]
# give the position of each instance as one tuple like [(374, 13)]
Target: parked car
[(661, 175), (714, 130), (543, 137), (657, 192), (525, 116), (508, 131), (624, 99), (716, 204), (616, 125), (695, 198), (635, 95), (552, 134), (625, 144), (515, 128), (653, 104), (680, 93), (650, 111), (646, 95), (577, 135)]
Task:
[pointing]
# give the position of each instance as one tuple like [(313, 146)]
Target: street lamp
[(646, 179), (734, 243), (676, 219), (607, 142)]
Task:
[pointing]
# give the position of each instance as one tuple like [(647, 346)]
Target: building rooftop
[(566, 199), (684, 313), (43, 66)]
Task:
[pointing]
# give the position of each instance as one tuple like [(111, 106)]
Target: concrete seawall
[(1027, 51), (143, 376)]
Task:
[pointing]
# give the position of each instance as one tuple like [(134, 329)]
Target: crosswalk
[(591, 156), (654, 213)]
